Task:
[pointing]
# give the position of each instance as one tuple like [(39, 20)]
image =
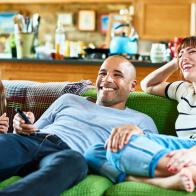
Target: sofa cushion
[(162, 110), (139, 189), (92, 185), (16, 97), (9, 181), (37, 96)]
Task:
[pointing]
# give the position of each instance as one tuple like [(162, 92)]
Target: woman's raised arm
[(155, 83)]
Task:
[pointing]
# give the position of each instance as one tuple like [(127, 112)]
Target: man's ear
[(132, 85)]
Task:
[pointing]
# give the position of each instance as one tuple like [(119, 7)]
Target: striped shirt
[(185, 94)]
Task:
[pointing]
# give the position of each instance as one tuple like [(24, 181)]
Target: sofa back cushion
[(37, 96), (162, 110)]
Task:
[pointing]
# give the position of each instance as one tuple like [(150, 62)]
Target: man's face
[(114, 82)]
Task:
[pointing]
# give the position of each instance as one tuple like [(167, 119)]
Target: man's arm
[(21, 127), (155, 83), (120, 136)]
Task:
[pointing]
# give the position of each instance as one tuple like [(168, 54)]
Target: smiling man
[(48, 153)]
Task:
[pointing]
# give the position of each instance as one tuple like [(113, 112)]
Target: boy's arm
[(4, 123)]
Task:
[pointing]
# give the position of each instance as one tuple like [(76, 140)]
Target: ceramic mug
[(158, 53)]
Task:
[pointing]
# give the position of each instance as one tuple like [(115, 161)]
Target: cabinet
[(48, 71), (162, 19)]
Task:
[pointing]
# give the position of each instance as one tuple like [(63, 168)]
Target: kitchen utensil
[(122, 43), (96, 53), (24, 43), (158, 53)]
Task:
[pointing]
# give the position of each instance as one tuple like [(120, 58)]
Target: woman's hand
[(19, 124), (180, 159), (4, 123), (120, 136)]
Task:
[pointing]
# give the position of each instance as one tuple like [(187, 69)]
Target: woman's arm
[(155, 82)]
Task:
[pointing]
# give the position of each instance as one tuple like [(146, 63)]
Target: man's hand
[(19, 124), (4, 123), (120, 136), (180, 159)]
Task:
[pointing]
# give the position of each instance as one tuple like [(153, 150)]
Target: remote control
[(23, 116)]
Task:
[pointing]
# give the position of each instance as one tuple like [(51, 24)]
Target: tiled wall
[(49, 18)]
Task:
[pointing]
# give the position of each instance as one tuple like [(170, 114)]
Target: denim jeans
[(48, 165)]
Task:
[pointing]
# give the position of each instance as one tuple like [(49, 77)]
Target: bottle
[(59, 41)]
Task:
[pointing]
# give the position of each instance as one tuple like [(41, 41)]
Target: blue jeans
[(139, 157), (48, 165)]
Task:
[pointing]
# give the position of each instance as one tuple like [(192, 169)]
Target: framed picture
[(86, 20), (6, 22), (103, 23), (65, 18)]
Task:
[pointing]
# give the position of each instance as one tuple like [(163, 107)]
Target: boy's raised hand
[(4, 123)]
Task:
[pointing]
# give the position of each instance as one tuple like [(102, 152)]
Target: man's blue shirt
[(81, 123)]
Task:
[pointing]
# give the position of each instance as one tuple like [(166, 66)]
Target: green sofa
[(162, 110)]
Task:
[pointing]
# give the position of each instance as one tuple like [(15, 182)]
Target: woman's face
[(187, 63)]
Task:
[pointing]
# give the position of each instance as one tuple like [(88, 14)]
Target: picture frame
[(65, 18), (86, 20), (6, 22), (103, 23)]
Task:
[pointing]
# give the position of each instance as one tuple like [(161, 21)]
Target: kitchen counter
[(64, 70), (77, 61)]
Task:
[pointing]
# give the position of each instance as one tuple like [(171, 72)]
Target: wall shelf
[(61, 1)]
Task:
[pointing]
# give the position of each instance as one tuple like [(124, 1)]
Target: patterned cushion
[(16, 97), (37, 96)]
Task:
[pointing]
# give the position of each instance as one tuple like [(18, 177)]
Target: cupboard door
[(162, 20)]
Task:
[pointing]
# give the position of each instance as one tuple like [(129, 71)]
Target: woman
[(181, 161), (165, 161)]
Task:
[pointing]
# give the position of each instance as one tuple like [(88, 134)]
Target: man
[(48, 152)]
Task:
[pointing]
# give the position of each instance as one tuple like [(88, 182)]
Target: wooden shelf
[(61, 1)]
